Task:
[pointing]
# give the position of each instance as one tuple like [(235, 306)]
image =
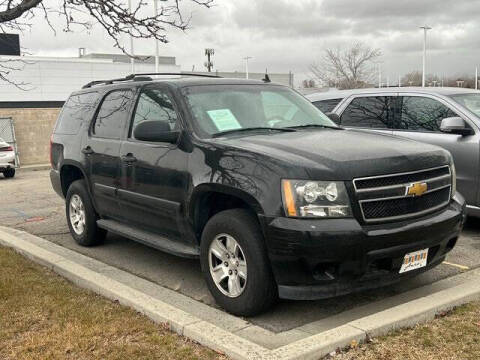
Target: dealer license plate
[(414, 260)]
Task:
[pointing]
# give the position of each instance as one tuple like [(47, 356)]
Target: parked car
[(7, 159), (447, 117), (273, 197)]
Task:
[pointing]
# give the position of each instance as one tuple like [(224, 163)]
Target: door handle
[(129, 158), (88, 150)]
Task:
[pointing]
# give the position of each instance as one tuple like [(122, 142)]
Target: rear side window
[(375, 112), (326, 106), (422, 114), (77, 110), (113, 114)]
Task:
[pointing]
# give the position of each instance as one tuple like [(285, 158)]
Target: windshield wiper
[(315, 125), (252, 129)]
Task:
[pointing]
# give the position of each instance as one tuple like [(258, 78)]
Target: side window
[(374, 112), (77, 110), (154, 105), (326, 106), (113, 114), (422, 114)]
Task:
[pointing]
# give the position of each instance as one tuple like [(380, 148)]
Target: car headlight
[(312, 199), (454, 179)]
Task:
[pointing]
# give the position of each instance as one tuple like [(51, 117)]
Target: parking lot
[(29, 204)]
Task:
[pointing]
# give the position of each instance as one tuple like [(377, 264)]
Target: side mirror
[(334, 117), (155, 131), (455, 125)]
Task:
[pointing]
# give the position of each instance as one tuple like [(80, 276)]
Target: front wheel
[(235, 264), (81, 216)]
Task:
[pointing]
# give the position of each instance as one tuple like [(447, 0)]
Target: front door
[(102, 150), (154, 175), (419, 118), (372, 112)]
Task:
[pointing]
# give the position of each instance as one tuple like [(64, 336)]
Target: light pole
[(132, 59), (157, 50), (425, 29), (246, 65), (476, 78)]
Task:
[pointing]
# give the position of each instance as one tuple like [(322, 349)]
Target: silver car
[(448, 117)]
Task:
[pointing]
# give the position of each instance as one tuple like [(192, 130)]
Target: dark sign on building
[(9, 44)]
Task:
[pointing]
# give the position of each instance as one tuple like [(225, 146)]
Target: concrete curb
[(65, 262)]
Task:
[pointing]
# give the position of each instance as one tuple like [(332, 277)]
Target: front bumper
[(314, 259)]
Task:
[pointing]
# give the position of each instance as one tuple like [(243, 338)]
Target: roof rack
[(142, 77)]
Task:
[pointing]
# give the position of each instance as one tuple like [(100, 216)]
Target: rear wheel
[(9, 173), (81, 216), (235, 264)]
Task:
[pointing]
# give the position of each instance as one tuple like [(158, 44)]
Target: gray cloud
[(288, 35)]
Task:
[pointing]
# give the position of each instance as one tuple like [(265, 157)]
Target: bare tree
[(413, 78), (113, 16), (346, 69)]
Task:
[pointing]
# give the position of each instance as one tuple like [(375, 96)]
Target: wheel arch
[(208, 200)]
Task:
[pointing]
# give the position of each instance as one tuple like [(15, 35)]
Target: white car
[(7, 159)]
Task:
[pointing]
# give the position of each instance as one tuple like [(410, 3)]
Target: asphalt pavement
[(28, 203)]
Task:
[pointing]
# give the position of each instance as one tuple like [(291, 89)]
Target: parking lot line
[(463, 267)]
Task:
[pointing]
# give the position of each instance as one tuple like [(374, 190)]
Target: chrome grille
[(385, 198)]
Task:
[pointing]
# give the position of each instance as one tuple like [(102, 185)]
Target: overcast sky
[(288, 35)]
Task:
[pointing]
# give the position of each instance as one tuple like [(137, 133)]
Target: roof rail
[(142, 77)]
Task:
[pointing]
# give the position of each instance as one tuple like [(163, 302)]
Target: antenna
[(266, 79)]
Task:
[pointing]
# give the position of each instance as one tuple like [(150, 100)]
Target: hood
[(342, 154)]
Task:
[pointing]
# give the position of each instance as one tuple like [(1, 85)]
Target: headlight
[(454, 179), (326, 199)]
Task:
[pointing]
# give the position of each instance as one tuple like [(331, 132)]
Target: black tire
[(260, 290), (92, 234), (9, 173)]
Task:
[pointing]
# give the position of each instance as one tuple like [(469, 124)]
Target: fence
[(7, 133)]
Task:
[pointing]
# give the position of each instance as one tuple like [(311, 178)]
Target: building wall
[(33, 128), (54, 79)]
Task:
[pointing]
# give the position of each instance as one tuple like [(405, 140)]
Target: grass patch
[(455, 335), (43, 316)]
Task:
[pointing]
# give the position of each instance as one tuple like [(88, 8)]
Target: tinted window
[(77, 110), (326, 106), (422, 114), (113, 114), (155, 105), (369, 112)]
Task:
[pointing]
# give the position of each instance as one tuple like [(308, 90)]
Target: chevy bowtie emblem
[(416, 189)]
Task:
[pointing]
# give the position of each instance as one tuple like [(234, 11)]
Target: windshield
[(230, 108), (470, 101)]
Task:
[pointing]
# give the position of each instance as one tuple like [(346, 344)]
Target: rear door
[(373, 112), (102, 149), (419, 117)]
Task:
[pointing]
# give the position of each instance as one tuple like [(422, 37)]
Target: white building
[(52, 79)]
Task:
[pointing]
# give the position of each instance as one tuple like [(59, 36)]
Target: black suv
[(273, 197)]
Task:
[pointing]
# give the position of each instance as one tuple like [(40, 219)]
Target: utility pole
[(399, 81), (425, 29), (246, 65), (132, 59), (209, 64), (157, 50)]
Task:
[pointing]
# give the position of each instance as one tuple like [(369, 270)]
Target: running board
[(150, 239)]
